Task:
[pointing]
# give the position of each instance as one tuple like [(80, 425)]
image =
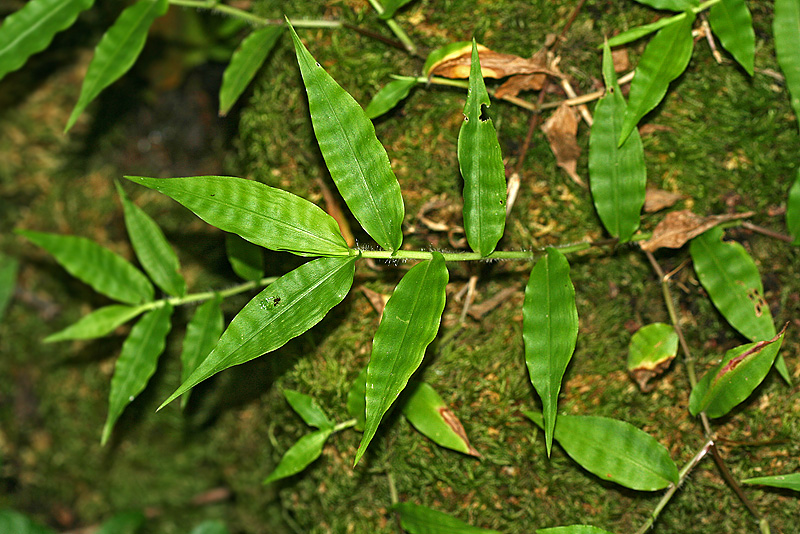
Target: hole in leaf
[(484, 113)]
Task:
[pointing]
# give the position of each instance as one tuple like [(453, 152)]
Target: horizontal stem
[(197, 297), (345, 424), (214, 5)]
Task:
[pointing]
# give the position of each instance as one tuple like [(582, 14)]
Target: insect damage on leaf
[(755, 349)]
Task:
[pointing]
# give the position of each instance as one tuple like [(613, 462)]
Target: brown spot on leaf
[(678, 227), (452, 421), (644, 374)]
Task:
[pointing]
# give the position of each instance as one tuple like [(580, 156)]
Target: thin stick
[(767, 232)]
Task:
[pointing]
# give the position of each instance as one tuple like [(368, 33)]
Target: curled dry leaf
[(377, 300), (658, 199), (678, 227), (493, 64), (561, 130), (524, 82)]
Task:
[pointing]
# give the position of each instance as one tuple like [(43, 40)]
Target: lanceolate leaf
[(136, 363), (410, 322), (32, 28), (269, 217), (672, 5), (103, 270), (391, 6), (356, 400), (117, 51), (151, 247), (288, 307), (416, 519), (793, 210), (8, 280), (246, 259), (357, 161), (790, 481), (300, 455), (614, 450), (550, 331), (307, 408), (11, 521), (664, 59), (389, 96), (617, 174), (734, 379), (786, 27), (98, 323), (244, 65), (123, 523), (572, 529), (731, 22), (640, 31), (482, 167), (429, 414), (202, 333)]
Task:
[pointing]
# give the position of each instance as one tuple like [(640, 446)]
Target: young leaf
[(671, 5), (202, 333), (287, 308), (357, 161), (409, 324), (307, 408), (16, 523), (356, 400), (617, 174), (269, 217), (786, 27), (103, 270), (32, 28), (734, 379), (8, 280), (481, 165), (117, 51), (151, 247), (389, 96), (640, 31), (123, 523), (793, 210), (790, 481), (245, 62), (731, 22), (651, 350), (300, 455), (391, 6), (246, 259), (416, 519), (429, 414), (550, 331), (98, 323), (572, 529), (614, 450), (664, 59), (136, 363)]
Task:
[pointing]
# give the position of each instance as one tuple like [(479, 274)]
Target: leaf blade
[(410, 322), (97, 324), (793, 210), (307, 408), (731, 21), (300, 455), (790, 481), (417, 519), (671, 5), (481, 165), (786, 29), (358, 163), (389, 96), (246, 259), (202, 333)]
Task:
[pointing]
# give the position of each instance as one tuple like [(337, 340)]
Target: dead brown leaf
[(561, 130), (493, 64), (524, 82), (477, 311), (643, 375), (377, 300), (658, 199), (621, 61), (335, 211), (678, 227)]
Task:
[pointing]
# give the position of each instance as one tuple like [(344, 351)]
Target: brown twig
[(767, 232)]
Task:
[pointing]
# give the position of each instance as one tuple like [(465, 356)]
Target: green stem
[(346, 424), (214, 5), (197, 297), (396, 29)]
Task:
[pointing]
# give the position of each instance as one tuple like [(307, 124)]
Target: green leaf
[(441, 54), (671, 5), (481, 165), (356, 400), (117, 51), (786, 27), (103, 270), (793, 210), (640, 31), (650, 352), (98, 323), (300, 455), (8, 280), (246, 259), (790, 481), (202, 334), (417, 519), (307, 408), (357, 161), (245, 62), (123, 523), (614, 450), (269, 217), (617, 174), (154, 252), (731, 22), (550, 331), (16, 523), (389, 96), (136, 363), (287, 308), (211, 527), (664, 59), (32, 28), (738, 374), (429, 414), (391, 6), (410, 322), (572, 529)]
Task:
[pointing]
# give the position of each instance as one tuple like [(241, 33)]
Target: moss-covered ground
[(726, 141)]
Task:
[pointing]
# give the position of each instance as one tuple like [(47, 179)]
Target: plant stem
[(346, 424), (214, 5), (673, 488), (196, 297), (395, 27)]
